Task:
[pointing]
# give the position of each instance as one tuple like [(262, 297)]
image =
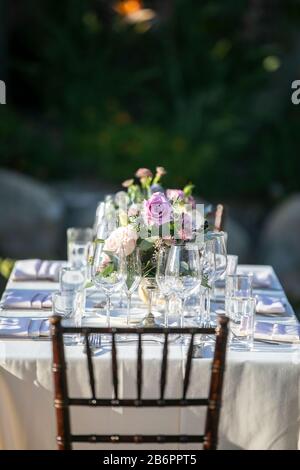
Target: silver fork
[(94, 342)]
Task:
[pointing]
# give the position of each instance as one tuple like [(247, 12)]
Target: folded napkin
[(119, 319), (23, 327), (277, 332), (267, 305), (262, 279), (36, 270), (26, 299)]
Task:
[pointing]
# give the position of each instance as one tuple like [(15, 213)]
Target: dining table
[(261, 393)]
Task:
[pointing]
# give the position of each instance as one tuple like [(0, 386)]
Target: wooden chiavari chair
[(63, 401), (219, 218)]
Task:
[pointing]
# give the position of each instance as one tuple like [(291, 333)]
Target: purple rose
[(157, 210), (175, 194)]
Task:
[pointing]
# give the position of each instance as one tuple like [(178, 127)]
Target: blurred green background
[(203, 89), (99, 88)]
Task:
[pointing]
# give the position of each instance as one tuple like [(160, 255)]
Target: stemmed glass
[(133, 277), (183, 272), (208, 270), (164, 286), (108, 273), (151, 286), (221, 256)]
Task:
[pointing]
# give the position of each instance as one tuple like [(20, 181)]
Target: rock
[(30, 218), (280, 245), (80, 200), (238, 242)]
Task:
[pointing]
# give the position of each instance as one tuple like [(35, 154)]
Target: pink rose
[(160, 171), (122, 238), (127, 183), (175, 194), (143, 173), (133, 210), (157, 210)]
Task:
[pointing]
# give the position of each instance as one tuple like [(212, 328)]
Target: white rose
[(122, 237)]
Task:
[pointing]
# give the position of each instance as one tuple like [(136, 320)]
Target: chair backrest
[(63, 401), (219, 218)]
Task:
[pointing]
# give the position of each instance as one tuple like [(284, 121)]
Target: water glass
[(183, 272), (63, 304), (69, 305), (240, 285), (79, 240), (232, 264), (71, 278), (164, 286), (242, 310)]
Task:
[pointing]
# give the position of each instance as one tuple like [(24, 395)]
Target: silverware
[(94, 342), (267, 341)]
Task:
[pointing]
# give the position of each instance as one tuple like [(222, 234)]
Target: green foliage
[(196, 93), (6, 267)]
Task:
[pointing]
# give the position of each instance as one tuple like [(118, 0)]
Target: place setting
[(157, 264), (149, 286)]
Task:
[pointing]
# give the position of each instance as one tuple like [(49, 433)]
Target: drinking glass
[(151, 286), (237, 286), (162, 281), (183, 272), (69, 306), (111, 217), (62, 304), (242, 312), (133, 277), (72, 281), (208, 269), (99, 217), (108, 273), (72, 278), (79, 240), (220, 255)]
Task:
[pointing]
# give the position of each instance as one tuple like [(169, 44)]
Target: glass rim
[(80, 229), (239, 276)]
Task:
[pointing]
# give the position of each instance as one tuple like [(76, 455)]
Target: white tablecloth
[(261, 399)]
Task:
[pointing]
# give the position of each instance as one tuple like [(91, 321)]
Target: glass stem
[(167, 300), (202, 306), (121, 299), (108, 308), (213, 290), (207, 307), (150, 301), (181, 312), (128, 308)]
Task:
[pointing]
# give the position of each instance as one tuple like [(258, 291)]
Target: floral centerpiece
[(150, 218)]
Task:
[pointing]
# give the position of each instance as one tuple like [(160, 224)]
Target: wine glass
[(208, 270), (221, 256), (183, 272), (151, 286), (161, 280), (108, 273), (133, 277)]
